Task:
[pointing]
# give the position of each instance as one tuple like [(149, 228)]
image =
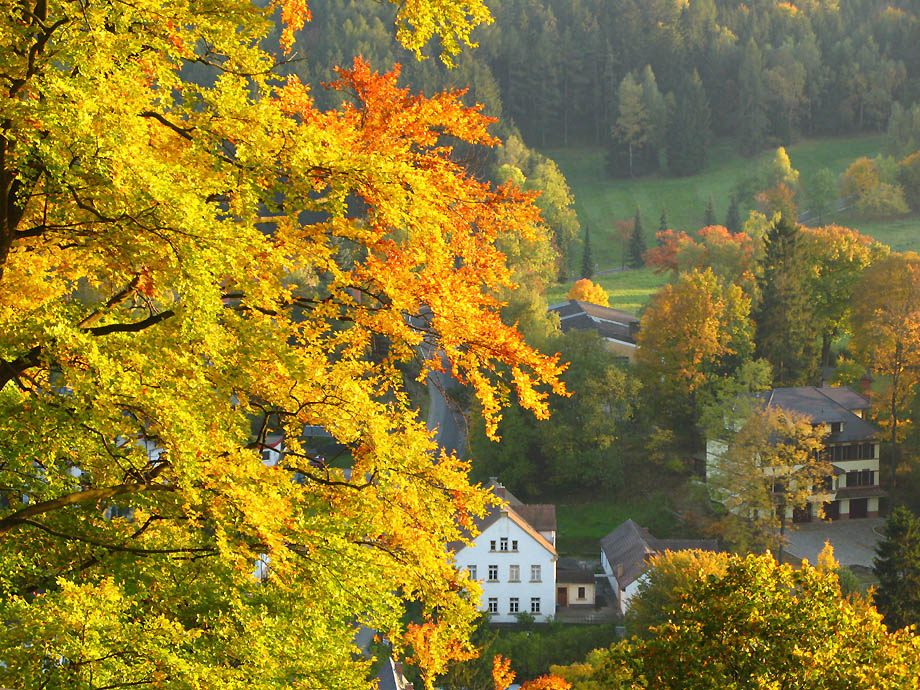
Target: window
[(493, 604), (492, 545), (503, 544), (535, 604), (582, 593), (493, 573), (472, 571), (514, 605), (836, 427), (535, 573), (861, 478), (514, 573), (514, 544)]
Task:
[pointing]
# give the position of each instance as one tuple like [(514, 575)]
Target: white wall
[(530, 552)]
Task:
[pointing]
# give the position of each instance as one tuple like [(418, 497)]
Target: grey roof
[(827, 405), (570, 571), (607, 321), (630, 546)]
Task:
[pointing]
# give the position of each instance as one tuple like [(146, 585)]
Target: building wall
[(530, 552), (626, 350), (573, 593), (629, 592)]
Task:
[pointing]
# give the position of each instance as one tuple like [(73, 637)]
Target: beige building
[(851, 447)]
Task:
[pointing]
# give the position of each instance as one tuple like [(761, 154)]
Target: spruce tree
[(733, 217), (897, 567), (637, 245), (662, 223), (688, 128), (709, 218), (783, 318), (587, 258)]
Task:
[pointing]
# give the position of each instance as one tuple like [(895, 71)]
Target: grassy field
[(580, 525), (628, 290), (601, 200)]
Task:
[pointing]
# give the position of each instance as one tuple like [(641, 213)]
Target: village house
[(851, 447), (625, 553), (514, 559)]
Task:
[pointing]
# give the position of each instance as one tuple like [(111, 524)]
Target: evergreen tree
[(663, 223), (733, 217), (688, 129), (637, 245), (752, 106), (897, 567), (587, 258), (709, 218), (783, 318)]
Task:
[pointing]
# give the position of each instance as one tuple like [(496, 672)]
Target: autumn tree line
[(774, 304), (655, 81)]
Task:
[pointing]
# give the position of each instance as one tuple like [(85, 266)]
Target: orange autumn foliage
[(586, 290)]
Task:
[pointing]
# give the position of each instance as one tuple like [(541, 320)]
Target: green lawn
[(601, 200), (629, 290), (581, 525)]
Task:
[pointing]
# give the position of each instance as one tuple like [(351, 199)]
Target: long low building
[(617, 328)]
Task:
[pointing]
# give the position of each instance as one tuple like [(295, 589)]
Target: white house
[(625, 553), (514, 558)]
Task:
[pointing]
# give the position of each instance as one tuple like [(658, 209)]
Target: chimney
[(866, 383)]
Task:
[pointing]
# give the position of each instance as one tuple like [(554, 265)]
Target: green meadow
[(601, 201)]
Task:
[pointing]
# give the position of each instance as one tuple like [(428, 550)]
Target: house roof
[(828, 405), (629, 546), (570, 571), (541, 516), (608, 322), (513, 508)]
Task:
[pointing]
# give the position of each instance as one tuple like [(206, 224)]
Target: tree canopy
[(191, 269), (759, 625)]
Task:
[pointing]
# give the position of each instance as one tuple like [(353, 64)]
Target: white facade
[(516, 567), (624, 594)]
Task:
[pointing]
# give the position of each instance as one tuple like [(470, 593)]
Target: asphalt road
[(447, 422)]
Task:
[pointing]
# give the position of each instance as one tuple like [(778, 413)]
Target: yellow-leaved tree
[(188, 267)]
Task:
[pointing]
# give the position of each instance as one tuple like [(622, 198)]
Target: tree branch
[(90, 495)]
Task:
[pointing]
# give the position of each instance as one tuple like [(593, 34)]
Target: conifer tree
[(662, 223), (897, 567), (709, 218), (733, 216), (587, 258), (688, 129), (637, 245), (783, 318), (752, 113)]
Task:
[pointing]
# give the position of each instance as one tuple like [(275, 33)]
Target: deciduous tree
[(886, 336), (836, 257), (763, 625), (588, 291), (764, 462), (669, 574), (188, 267)]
